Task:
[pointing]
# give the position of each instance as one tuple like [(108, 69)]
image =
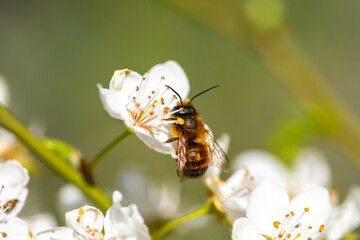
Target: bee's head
[(184, 110)]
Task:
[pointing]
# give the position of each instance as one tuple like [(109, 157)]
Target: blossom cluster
[(262, 199)]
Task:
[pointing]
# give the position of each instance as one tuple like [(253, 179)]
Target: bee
[(196, 148)]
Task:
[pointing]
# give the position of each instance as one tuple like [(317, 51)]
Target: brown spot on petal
[(10, 205)]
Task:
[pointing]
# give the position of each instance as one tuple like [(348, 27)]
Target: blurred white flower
[(70, 197), (13, 193), (124, 223), (86, 223), (4, 92), (233, 193), (310, 169), (142, 102), (270, 214), (344, 218), (157, 203), (40, 222)]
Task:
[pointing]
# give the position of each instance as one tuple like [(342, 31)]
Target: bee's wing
[(182, 157), (217, 156)]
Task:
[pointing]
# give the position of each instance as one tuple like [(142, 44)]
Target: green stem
[(108, 148), (53, 161), (171, 225)]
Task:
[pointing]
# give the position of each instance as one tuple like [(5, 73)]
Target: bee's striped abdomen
[(198, 160)]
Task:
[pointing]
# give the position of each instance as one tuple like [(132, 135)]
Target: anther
[(162, 78), (148, 71), (276, 224), (306, 209), (292, 213), (297, 236), (144, 78), (4, 235), (137, 88), (321, 228), (153, 92)]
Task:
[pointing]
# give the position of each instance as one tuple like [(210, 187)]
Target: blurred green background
[(53, 53)]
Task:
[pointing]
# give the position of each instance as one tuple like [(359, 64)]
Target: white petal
[(13, 175), (40, 222), (15, 229), (84, 218), (156, 142), (244, 229), (17, 199), (262, 165), (114, 104), (175, 77), (60, 233), (4, 92), (318, 202), (311, 170), (13, 179), (124, 222), (267, 203), (235, 207), (346, 217)]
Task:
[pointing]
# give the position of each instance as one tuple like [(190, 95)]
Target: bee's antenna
[(175, 93), (203, 92)]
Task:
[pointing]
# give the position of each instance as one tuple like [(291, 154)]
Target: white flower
[(124, 223), (270, 214), (15, 229), (13, 191), (233, 193), (86, 223), (157, 203), (142, 102), (346, 217), (310, 169)]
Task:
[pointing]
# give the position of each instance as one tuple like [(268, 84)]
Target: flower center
[(148, 109), (9, 206), (246, 184), (293, 228)]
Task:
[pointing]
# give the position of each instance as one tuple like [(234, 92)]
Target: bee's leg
[(171, 140)]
